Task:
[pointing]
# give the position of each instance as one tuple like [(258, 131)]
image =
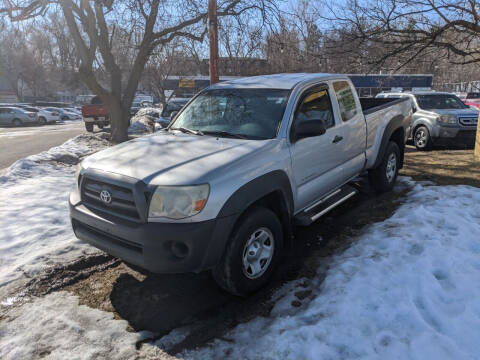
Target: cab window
[(346, 100), (316, 105)]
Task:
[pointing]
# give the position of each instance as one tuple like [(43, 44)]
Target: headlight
[(447, 119), (178, 202), (77, 173)]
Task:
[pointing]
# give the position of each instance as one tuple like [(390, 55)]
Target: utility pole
[(477, 141), (213, 40)]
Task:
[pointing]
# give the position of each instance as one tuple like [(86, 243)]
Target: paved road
[(19, 142)]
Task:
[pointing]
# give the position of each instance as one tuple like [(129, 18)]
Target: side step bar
[(321, 207)]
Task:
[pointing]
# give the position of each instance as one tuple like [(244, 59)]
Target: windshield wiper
[(189, 131), (225, 134)]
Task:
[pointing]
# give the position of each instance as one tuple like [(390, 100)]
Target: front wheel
[(422, 139), (89, 127), (383, 178), (252, 252), (42, 121)]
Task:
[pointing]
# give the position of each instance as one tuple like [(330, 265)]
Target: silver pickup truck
[(439, 118), (240, 166)]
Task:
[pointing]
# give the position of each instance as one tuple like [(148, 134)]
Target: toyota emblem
[(105, 196)]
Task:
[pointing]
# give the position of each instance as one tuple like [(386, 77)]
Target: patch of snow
[(34, 222), (57, 327), (406, 289), (144, 121)]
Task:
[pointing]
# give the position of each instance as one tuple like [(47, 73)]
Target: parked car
[(440, 118), (44, 116), (134, 108), (73, 110), (64, 114), (223, 186), (16, 116), (95, 114), (173, 106)]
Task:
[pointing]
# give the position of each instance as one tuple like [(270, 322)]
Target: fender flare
[(256, 189), (394, 124), (422, 122), (241, 200)]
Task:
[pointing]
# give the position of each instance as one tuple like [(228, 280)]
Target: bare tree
[(93, 25), (405, 30)]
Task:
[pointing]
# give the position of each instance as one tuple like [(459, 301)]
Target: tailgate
[(94, 110)]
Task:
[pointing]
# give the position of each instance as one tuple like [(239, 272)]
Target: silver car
[(439, 118), (16, 116)]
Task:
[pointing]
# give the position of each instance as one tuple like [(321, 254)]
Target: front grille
[(468, 121), (122, 198)]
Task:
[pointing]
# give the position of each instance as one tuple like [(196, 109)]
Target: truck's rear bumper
[(157, 247)]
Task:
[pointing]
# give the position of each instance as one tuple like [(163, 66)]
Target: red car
[(95, 114), (471, 99)]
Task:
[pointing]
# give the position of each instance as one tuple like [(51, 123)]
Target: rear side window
[(346, 100), (316, 105)]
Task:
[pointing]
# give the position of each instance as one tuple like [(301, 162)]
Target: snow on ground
[(57, 327), (34, 222), (407, 289)]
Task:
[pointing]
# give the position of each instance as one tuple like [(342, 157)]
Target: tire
[(17, 122), (236, 273), (383, 178), (89, 127), (422, 139), (42, 120), (64, 118)]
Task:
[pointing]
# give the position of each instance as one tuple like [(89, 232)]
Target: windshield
[(439, 101), (252, 113)]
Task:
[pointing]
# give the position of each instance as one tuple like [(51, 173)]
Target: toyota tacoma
[(242, 164)]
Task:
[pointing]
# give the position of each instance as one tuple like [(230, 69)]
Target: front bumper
[(455, 136), (156, 247)]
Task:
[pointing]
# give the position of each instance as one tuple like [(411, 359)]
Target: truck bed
[(378, 113), (370, 105)]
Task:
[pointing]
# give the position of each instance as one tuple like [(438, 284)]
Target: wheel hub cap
[(258, 253), (421, 138), (391, 167)]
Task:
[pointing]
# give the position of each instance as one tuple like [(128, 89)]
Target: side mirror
[(173, 114), (310, 128)]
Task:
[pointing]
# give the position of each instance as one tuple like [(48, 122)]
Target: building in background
[(371, 85), (366, 85)]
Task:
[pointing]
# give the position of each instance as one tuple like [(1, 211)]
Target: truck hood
[(167, 158)]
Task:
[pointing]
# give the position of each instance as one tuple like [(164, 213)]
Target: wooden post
[(213, 40), (477, 141)]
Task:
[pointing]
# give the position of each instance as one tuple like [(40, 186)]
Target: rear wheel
[(42, 120), (422, 139), (384, 176), (17, 122), (64, 117), (252, 252), (89, 127)]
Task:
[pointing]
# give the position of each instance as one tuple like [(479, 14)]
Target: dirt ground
[(443, 167), (161, 303)]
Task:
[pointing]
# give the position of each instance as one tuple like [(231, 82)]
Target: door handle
[(337, 139)]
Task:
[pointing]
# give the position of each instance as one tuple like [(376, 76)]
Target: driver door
[(315, 160)]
